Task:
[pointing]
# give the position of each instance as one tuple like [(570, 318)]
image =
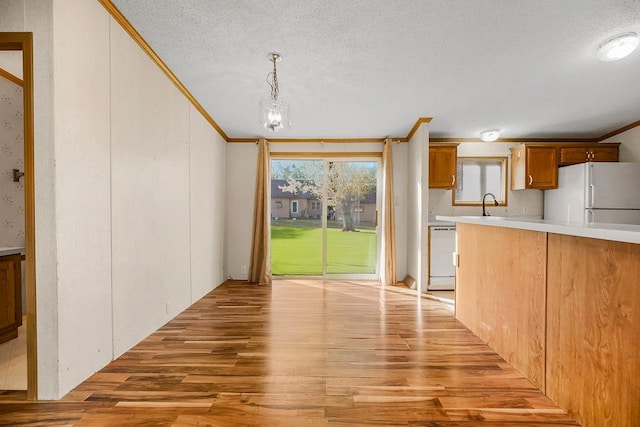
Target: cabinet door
[(518, 168), (10, 297), (541, 168), (604, 154), (573, 155), (581, 154), (442, 167)]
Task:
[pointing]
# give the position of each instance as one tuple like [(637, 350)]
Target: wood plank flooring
[(302, 353)]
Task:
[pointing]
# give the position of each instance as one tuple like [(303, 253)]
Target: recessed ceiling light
[(489, 135), (618, 47)]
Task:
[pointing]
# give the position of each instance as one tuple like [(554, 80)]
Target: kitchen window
[(477, 176)]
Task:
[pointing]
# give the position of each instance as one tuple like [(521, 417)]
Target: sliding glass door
[(324, 217)]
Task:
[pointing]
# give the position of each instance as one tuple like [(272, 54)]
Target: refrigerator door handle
[(589, 216), (592, 195)]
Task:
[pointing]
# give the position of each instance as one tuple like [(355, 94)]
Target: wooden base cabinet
[(500, 293), (10, 296), (563, 310), (593, 330)]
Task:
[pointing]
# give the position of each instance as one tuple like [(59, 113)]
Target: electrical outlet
[(243, 269), (524, 209), (167, 306)]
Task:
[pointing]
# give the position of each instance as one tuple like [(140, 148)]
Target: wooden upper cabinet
[(534, 167), (571, 155), (442, 166)]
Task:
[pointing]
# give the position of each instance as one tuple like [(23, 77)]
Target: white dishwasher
[(442, 245)]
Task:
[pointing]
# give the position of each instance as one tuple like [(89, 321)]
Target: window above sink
[(478, 176)]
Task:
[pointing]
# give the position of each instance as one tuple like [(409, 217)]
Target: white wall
[(417, 206), (129, 179), (11, 61), (82, 146), (150, 194), (207, 172), (630, 147), (519, 203), (241, 181)]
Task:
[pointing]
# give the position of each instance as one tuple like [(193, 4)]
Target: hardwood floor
[(302, 353)]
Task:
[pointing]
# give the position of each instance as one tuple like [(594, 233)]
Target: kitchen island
[(561, 303)]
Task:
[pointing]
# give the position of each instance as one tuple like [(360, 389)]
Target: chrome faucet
[(484, 209)]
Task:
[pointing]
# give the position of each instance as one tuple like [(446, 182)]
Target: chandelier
[(274, 114)]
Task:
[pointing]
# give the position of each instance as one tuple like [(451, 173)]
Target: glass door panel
[(351, 217), (296, 217)]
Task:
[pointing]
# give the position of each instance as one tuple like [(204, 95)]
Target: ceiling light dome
[(490, 135), (618, 47)]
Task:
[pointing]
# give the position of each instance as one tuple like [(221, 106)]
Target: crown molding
[(544, 140), (135, 35), (337, 140), (325, 140), (512, 140), (7, 75), (324, 154), (619, 131), (415, 128)]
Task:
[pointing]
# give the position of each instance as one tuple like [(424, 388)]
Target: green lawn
[(297, 250)]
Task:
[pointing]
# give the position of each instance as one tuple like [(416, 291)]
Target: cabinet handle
[(530, 179), (453, 180)]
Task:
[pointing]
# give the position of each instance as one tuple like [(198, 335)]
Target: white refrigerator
[(601, 192)]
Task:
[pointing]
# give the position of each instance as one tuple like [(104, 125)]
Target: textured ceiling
[(371, 68)]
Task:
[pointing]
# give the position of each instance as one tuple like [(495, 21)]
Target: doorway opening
[(324, 217), (20, 45)]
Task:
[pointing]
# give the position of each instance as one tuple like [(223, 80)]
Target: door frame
[(338, 156), (23, 41)]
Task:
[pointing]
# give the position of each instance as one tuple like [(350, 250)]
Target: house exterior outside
[(286, 205), (304, 205)]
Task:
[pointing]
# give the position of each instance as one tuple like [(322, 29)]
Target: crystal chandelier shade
[(274, 114)]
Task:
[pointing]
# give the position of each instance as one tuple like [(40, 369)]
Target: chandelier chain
[(272, 80)]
